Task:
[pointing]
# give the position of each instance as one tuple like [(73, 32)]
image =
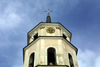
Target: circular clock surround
[(50, 30)]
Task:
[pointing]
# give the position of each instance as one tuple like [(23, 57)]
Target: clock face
[(50, 30)]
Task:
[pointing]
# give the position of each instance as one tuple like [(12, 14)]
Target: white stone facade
[(46, 40)]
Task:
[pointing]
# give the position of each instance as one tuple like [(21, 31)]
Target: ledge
[(52, 66)]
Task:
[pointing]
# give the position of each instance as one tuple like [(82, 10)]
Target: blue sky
[(80, 17)]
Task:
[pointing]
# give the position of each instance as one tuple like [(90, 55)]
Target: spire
[(48, 20)]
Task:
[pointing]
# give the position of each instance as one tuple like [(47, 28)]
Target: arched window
[(51, 57), (31, 60), (70, 60)]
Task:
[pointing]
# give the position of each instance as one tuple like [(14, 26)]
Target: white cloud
[(88, 58), (9, 17), (10, 20), (97, 61)]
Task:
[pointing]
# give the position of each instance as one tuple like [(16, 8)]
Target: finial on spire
[(48, 20)]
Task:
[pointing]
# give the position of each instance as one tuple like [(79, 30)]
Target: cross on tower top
[(48, 11)]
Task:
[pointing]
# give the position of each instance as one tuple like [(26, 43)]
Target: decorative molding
[(42, 27), (58, 28)]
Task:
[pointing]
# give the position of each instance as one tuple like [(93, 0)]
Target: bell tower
[(49, 45)]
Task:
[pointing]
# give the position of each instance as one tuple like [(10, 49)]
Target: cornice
[(51, 37), (42, 24)]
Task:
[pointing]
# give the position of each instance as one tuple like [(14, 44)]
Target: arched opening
[(51, 56), (35, 36), (31, 60), (64, 36), (70, 60)]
